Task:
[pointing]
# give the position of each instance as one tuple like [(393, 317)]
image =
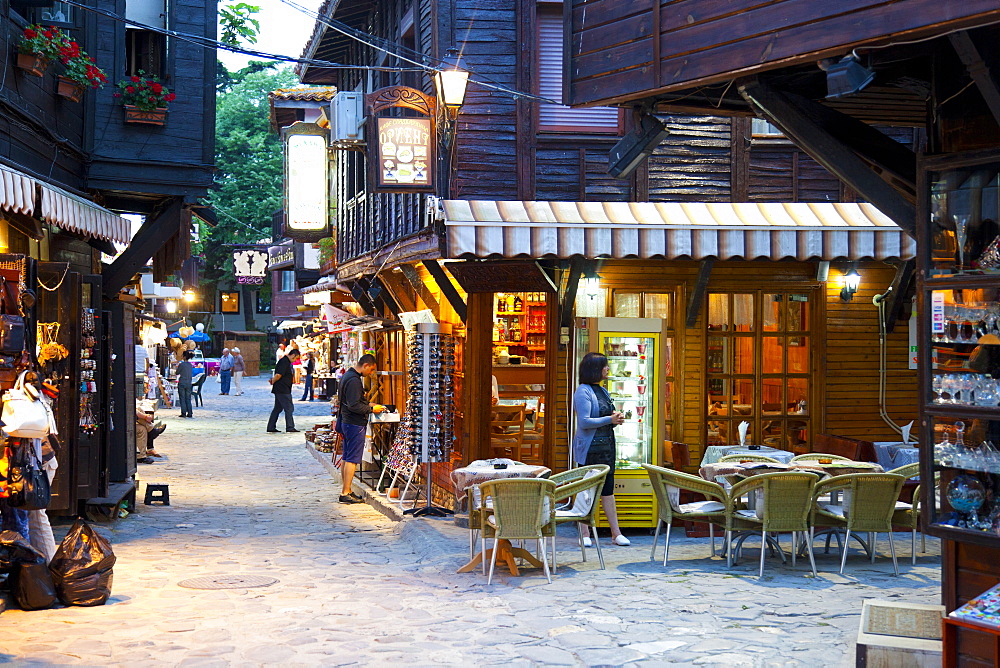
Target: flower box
[(32, 63), (70, 89), (142, 116)]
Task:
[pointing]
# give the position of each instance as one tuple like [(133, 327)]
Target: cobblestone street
[(357, 588)]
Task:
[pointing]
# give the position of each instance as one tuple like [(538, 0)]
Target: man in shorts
[(352, 421)]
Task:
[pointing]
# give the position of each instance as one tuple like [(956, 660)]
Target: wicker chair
[(869, 508), (908, 514), (785, 506), (816, 456), (712, 510), (582, 485), (522, 510), (749, 458), (507, 431)]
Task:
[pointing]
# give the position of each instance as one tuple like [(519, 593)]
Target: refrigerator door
[(632, 383)]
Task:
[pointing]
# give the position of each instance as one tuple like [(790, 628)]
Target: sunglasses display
[(430, 407)]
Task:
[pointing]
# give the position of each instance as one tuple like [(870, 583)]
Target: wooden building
[(530, 209), (823, 74), (70, 167)]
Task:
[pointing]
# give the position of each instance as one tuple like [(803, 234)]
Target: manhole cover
[(228, 582)]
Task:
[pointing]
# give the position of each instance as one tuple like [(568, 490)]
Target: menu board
[(405, 154)]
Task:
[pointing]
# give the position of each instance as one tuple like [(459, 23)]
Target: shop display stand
[(425, 395)]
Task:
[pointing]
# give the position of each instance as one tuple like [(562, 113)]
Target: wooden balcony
[(623, 51)]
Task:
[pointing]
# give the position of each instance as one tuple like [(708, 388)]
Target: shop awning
[(18, 192), (82, 216), (671, 230), (247, 333)]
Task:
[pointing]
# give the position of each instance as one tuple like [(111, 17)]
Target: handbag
[(27, 482), (24, 415), (11, 325)]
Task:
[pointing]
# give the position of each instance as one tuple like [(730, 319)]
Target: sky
[(283, 30)]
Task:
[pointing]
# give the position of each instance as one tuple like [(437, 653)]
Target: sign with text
[(405, 158), (250, 266), (307, 186), (281, 257)]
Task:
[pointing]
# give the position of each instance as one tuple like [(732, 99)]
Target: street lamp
[(451, 82), (171, 306), (189, 296)]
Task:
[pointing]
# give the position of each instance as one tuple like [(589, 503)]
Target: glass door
[(632, 383)]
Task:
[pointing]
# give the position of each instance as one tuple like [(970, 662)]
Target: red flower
[(152, 98), (48, 34), (117, 94), (169, 97), (157, 88), (136, 79), (130, 89), (30, 34)]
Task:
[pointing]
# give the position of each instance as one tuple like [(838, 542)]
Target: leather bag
[(24, 415), (27, 481)]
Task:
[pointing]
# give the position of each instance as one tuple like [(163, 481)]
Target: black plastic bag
[(82, 567), (32, 586), (15, 549), (27, 482)]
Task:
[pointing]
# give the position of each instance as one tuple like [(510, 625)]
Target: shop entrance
[(758, 362)]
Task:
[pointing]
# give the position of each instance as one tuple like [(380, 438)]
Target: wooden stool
[(162, 494)]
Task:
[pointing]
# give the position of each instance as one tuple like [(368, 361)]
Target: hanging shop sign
[(250, 266), (402, 156), (307, 190), (281, 257)]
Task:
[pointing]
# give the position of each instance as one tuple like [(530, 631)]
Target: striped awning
[(18, 191), (82, 216), (670, 230)]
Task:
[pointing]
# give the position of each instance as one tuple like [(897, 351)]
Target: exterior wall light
[(189, 296), (852, 279), (451, 81), (171, 305)]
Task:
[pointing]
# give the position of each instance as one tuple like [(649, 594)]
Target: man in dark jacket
[(352, 421), (281, 388)]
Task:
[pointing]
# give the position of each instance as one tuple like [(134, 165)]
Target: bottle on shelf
[(518, 304)]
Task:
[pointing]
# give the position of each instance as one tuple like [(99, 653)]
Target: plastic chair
[(785, 506), (196, 390), (583, 486), (522, 509), (869, 507), (749, 458), (711, 510), (816, 456)]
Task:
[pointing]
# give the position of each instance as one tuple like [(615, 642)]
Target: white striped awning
[(670, 230), (82, 216), (17, 191)]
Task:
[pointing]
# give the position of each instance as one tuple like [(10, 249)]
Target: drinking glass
[(641, 410), (961, 234), (641, 388)]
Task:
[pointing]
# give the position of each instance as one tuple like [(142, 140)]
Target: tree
[(249, 166)]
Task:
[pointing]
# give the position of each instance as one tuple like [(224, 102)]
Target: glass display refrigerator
[(635, 351)]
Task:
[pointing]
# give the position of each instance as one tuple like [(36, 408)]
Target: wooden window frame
[(233, 295)]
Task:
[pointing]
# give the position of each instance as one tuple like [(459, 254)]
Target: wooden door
[(121, 342)]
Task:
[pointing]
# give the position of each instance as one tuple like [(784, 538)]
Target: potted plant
[(38, 46), (144, 99), (81, 71)]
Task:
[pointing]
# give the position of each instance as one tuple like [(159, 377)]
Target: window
[(230, 302), (288, 281), (758, 361), (762, 128), (263, 303), (556, 117), (144, 50)]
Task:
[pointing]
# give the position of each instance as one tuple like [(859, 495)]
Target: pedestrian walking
[(239, 366), (594, 440), (226, 370), (281, 388), (352, 421), (185, 372), (310, 366)]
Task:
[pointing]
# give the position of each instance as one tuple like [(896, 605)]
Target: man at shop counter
[(281, 388), (352, 421)]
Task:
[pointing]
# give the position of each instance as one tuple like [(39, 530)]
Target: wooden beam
[(810, 135), (447, 288), (385, 296), (155, 232), (394, 285), (986, 82), (572, 285), (360, 294), (410, 272), (900, 293), (698, 294)]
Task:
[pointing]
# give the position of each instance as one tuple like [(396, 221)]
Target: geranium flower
[(135, 79), (30, 34), (169, 97), (130, 89)]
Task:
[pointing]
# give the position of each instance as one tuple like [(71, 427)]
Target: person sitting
[(145, 433)]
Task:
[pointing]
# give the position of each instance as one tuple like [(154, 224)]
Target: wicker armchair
[(783, 506), (583, 486), (522, 509), (869, 508), (816, 456), (712, 510), (908, 514), (749, 458)]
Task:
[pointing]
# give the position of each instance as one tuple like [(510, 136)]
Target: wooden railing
[(370, 222)]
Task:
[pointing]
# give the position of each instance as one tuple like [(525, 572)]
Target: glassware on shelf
[(641, 410), (961, 235), (966, 495), (641, 387)]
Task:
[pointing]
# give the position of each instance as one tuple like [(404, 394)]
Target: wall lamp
[(846, 77), (451, 82), (852, 279)]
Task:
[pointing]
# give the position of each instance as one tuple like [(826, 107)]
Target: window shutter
[(550, 71)]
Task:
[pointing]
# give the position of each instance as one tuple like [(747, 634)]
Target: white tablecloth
[(893, 454), (714, 453), (482, 470)]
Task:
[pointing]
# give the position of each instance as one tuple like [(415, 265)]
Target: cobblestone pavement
[(356, 588)]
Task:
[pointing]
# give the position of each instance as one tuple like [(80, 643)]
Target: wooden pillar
[(478, 375)]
